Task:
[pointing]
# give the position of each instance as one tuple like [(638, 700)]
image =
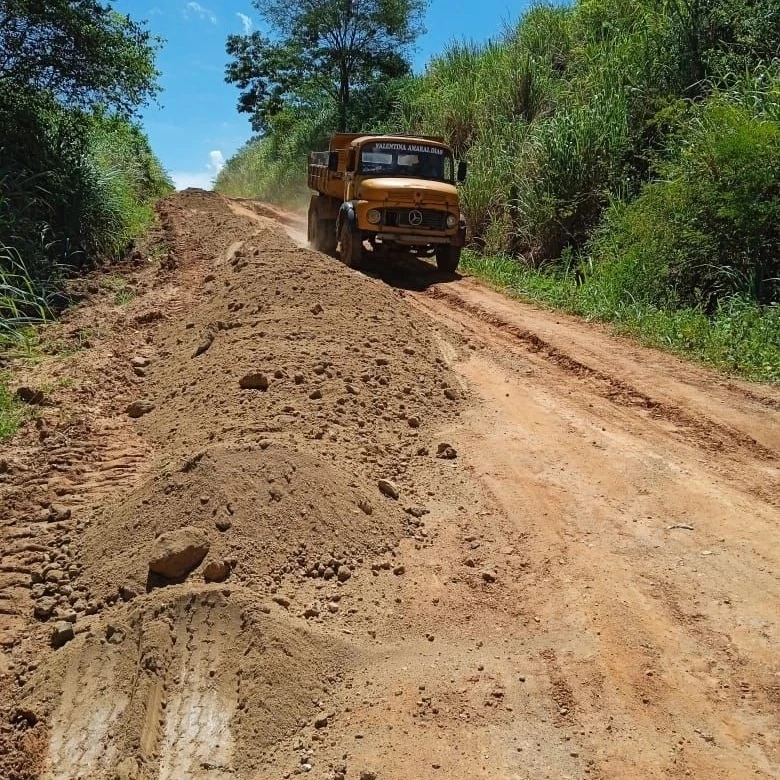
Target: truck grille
[(426, 219)]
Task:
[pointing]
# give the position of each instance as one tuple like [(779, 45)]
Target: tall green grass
[(75, 189), (740, 336)]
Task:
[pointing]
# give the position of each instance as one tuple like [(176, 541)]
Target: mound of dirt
[(265, 510), (288, 344), (202, 682)]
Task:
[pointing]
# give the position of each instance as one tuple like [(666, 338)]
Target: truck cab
[(379, 193)]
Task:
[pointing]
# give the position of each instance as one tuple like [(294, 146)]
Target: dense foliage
[(76, 175), (336, 49), (628, 152)]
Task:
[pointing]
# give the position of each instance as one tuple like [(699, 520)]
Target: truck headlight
[(374, 216), (452, 220)]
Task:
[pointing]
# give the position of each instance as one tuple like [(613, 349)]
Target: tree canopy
[(333, 47), (81, 51)]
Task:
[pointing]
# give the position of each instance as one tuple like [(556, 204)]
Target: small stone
[(216, 571), (489, 576), (223, 524), (414, 422), (139, 361), (44, 608), (311, 612), (382, 361), (416, 511), (352, 390), (58, 513), (139, 408), (115, 635), (315, 395), (399, 570), (344, 573), (176, 553), (299, 379), (129, 591), (317, 309), (282, 601), (253, 381), (366, 506), (446, 451), (451, 394), (367, 774), (321, 722), (328, 574), (388, 488), (62, 633)]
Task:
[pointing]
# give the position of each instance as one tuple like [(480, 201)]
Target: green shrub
[(709, 228)]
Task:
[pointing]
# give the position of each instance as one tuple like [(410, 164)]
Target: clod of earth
[(388, 488), (30, 395), (177, 553), (254, 381), (446, 451), (62, 633), (216, 571), (139, 408)]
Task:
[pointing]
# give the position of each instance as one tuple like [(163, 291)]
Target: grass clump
[(12, 411)]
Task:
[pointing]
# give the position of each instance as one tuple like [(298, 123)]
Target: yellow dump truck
[(374, 193)]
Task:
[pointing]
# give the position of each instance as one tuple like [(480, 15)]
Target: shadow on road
[(405, 272)]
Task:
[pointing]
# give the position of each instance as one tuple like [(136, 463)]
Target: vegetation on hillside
[(77, 176), (623, 155)]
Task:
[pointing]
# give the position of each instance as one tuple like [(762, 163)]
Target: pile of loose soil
[(203, 682), (263, 511), (272, 419)]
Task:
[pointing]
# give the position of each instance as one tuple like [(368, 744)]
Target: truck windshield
[(391, 158)]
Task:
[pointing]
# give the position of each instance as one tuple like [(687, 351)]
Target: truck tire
[(326, 236), (351, 246), (447, 258), (312, 234)]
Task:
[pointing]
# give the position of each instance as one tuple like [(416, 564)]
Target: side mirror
[(351, 160), (333, 161), (462, 168)]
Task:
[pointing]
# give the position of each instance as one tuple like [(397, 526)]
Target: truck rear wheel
[(447, 258), (326, 236), (351, 247)]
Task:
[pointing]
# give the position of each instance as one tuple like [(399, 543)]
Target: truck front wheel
[(351, 246), (447, 258)]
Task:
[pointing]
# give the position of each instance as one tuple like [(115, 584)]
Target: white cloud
[(216, 161), (198, 10), (204, 179), (184, 179), (246, 21)]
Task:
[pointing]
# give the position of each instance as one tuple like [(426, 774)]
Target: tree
[(336, 47), (80, 51)]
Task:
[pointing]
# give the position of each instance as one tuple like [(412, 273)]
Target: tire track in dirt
[(704, 433)]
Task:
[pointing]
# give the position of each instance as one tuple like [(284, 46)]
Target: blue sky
[(197, 127)]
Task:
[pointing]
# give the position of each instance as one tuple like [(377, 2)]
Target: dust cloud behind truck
[(387, 192)]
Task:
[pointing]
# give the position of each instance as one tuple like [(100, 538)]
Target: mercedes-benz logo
[(415, 217)]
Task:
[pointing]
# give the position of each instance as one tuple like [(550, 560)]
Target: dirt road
[(307, 521)]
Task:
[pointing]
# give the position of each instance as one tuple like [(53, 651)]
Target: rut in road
[(566, 572)]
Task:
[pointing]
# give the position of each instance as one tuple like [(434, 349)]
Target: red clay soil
[(411, 529)]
